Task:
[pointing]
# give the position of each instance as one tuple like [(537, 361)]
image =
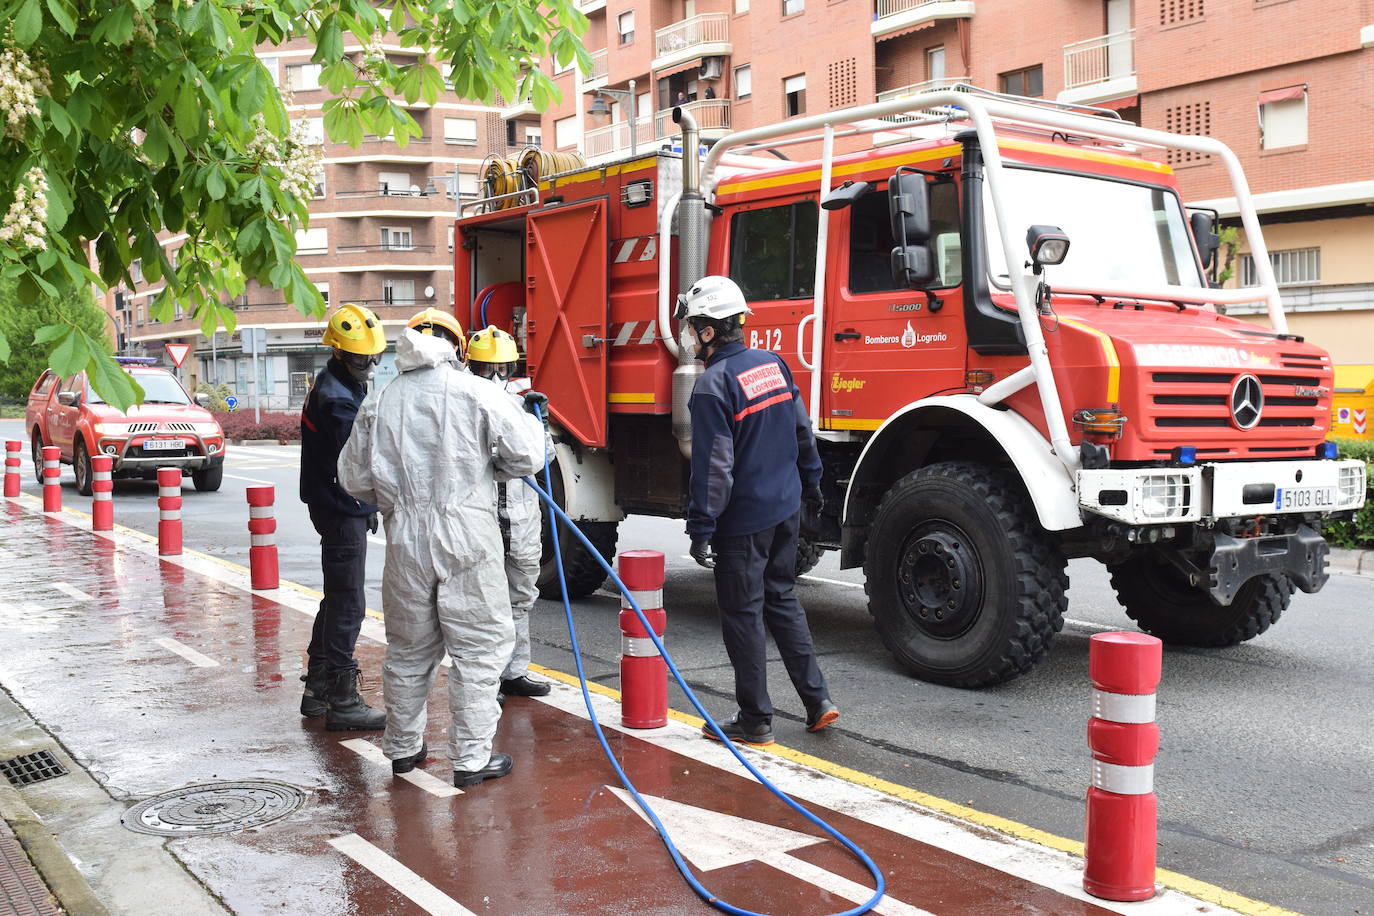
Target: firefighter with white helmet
[(428, 451), (493, 355), (754, 459), (355, 335)]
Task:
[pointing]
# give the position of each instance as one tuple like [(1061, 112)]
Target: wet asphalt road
[(1267, 748)]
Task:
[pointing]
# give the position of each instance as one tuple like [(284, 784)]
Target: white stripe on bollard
[(648, 599), (638, 646), (1132, 709), (1124, 780)]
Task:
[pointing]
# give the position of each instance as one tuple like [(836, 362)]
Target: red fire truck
[(1000, 315)]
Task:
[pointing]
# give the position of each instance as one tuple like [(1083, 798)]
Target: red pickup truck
[(169, 429)]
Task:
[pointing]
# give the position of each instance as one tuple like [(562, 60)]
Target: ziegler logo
[(840, 384), (1305, 392)]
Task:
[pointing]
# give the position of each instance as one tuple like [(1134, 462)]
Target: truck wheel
[(81, 466), (1162, 603), (965, 588), (208, 480), (581, 571), (36, 451), (808, 555)]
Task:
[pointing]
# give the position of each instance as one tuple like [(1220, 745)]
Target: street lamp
[(599, 107)]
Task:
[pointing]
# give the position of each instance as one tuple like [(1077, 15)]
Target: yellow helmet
[(431, 319), (492, 345), (354, 329)]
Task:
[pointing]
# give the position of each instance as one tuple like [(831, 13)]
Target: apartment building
[(1287, 84), (380, 234)]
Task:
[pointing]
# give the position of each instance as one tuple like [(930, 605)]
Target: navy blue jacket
[(326, 420), (752, 446)]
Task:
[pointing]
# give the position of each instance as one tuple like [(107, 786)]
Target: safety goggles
[(360, 361), (503, 371)]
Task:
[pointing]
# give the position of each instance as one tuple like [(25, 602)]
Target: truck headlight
[(1351, 485), (1163, 496), (111, 429), (206, 429)]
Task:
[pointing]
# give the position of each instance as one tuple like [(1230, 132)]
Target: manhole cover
[(218, 807)]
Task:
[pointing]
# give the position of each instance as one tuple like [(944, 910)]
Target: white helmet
[(714, 298)]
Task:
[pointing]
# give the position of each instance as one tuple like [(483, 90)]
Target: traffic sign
[(178, 352), (233, 402)]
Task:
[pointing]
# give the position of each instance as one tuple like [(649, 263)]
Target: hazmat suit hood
[(422, 351)]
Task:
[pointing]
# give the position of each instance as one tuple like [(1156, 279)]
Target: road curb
[(51, 861), (1352, 562)]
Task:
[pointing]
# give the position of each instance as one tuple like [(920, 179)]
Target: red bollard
[(52, 483), (12, 449), (102, 493), (262, 531), (643, 672), (1121, 828), (169, 517)]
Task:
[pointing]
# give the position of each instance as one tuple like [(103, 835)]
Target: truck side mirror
[(845, 195), (203, 399), (908, 204), (66, 398), (1204, 231), (912, 266)]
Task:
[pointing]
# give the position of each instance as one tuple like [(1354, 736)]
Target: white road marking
[(186, 652), (251, 480), (832, 581), (419, 891), (71, 590), (1089, 625), (380, 542), (373, 754)]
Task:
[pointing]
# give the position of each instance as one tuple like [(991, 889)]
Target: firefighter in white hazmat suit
[(493, 355), (428, 451)]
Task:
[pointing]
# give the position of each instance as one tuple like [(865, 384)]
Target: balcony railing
[(615, 138), (600, 67), (896, 7), (1097, 60), (388, 192), (710, 114), (915, 88), (353, 249), (678, 38)]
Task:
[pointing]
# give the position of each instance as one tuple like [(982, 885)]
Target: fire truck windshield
[(1122, 236)]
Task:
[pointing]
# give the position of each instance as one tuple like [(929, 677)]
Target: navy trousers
[(343, 560)]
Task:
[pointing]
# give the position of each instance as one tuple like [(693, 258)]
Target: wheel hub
[(938, 583)]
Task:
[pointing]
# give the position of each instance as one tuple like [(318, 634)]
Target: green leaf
[(49, 333), (111, 382), (4, 348), (62, 16), (28, 22), (253, 93), (72, 354), (117, 27), (214, 183), (58, 116), (228, 318), (59, 202), (329, 40), (187, 111)]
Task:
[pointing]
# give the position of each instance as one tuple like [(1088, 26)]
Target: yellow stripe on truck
[(1108, 353)]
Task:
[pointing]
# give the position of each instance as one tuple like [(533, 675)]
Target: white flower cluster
[(374, 56), (22, 82), (299, 157), (26, 218)]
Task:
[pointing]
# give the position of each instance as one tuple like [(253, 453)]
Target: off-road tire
[(1162, 603), (965, 588), (582, 572), (808, 555), (208, 480), (81, 467), (36, 453)]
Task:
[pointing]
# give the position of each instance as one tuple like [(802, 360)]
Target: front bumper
[(130, 459), (1218, 490)]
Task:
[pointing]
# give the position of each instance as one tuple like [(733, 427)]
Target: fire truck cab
[(1000, 316)]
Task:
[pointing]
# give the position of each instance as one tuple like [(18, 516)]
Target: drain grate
[(213, 808), (31, 768)]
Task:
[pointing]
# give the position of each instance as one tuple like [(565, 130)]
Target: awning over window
[(1126, 101), (693, 64), (930, 24), (1282, 95)]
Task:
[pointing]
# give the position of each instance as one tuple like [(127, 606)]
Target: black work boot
[(499, 765), (760, 735), (347, 711), (313, 703), (524, 686), (406, 764)]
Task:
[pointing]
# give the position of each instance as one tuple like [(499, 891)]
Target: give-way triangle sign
[(178, 352)]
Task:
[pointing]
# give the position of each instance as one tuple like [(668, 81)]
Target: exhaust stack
[(691, 214)]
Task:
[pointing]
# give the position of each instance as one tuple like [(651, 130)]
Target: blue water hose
[(483, 307), (682, 867)]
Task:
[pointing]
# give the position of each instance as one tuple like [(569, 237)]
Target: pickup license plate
[(163, 445), (1298, 499)]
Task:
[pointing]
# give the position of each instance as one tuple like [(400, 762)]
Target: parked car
[(169, 429)]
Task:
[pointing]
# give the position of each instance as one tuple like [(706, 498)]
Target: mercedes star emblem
[(1247, 402)]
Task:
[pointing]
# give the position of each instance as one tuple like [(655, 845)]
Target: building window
[(319, 183), (1029, 82), (136, 270), (398, 292), (773, 251), (393, 183), (396, 239), (314, 129), (625, 24), (460, 130), (467, 184), (142, 315), (790, 7), (1283, 117), (565, 132), (534, 134), (312, 241), (935, 63), (559, 69), (302, 77), (1292, 267), (794, 96), (273, 66), (450, 238), (744, 82), (324, 292), (741, 6)]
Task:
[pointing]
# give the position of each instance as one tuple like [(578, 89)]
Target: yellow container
[(1352, 403)]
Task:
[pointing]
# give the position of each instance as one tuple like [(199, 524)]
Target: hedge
[(239, 424), (1358, 533)]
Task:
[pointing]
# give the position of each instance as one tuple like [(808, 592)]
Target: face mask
[(701, 344), (360, 366)]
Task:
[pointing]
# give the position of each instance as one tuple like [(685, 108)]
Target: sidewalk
[(196, 685)]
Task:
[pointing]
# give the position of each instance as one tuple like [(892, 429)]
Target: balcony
[(590, 6), (614, 139), (597, 76), (712, 117), (915, 89), (707, 35), (1100, 68), (895, 17)]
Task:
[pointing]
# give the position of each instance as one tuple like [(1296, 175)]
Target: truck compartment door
[(566, 297)]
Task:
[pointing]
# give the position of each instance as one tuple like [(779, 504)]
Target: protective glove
[(537, 399), (702, 553), (374, 521), (814, 501)]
